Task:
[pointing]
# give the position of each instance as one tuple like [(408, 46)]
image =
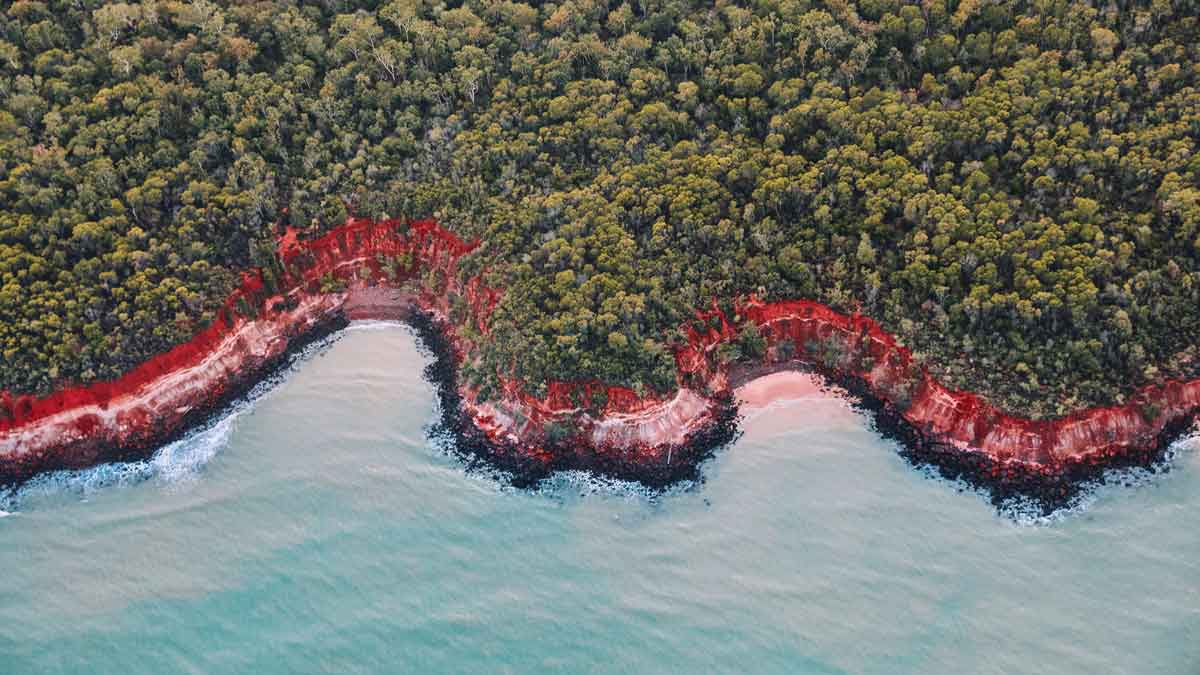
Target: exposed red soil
[(861, 349), (357, 263), (360, 270)]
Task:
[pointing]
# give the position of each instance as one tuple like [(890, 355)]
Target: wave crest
[(172, 466)]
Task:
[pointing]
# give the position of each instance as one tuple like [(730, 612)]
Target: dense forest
[(1011, 187)]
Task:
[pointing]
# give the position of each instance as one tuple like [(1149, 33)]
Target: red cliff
[(350, 271), (960, 419), (361, 270)]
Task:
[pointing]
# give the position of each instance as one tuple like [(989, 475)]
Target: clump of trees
[(1011, 187)]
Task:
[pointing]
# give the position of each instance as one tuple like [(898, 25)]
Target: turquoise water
[(317, 530)]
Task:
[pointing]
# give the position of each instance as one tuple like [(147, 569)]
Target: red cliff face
[(856, 346), (360, 270), (348, 270)]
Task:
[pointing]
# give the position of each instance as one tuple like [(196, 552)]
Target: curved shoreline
[(361, 270), (268, 317)]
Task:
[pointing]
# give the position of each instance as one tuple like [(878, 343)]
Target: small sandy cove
[(784, 385)]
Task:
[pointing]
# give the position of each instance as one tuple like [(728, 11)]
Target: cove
[(398, 269), (324, 531)]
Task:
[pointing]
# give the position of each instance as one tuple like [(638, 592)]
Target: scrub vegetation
[(1012, 188)]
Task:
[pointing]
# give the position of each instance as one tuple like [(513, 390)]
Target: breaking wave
[(173, 466)]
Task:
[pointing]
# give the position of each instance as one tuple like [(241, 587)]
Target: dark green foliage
[(1013, 188), (750, 342)]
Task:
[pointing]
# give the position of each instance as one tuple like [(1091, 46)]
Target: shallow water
[(318, 530)]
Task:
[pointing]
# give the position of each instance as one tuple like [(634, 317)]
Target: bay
[(318, 529)]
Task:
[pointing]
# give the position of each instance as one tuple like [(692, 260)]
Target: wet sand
[(783, 385)]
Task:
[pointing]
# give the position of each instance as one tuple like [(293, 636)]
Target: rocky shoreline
[(526, 462), (143, 443), (362, 271), (1002, 480)]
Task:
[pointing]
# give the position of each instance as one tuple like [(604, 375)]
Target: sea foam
[(1027, 513), (173, 466)]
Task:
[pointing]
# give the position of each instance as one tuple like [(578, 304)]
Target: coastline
[(260, 325), (361, 270), (526, 461)]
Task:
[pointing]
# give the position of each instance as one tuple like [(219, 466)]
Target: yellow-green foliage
[(1012, 187)]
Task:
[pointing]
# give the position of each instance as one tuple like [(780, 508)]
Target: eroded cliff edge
[(384, 269)]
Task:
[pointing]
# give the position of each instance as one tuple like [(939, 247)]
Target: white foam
[(376, 325), (555, 486), (173, 466), (586, 484), (183, 460)]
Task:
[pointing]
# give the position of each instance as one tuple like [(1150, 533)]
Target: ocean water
[(319, 530)]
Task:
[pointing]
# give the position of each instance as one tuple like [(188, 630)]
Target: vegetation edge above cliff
[(1012, 188)]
